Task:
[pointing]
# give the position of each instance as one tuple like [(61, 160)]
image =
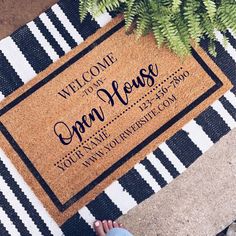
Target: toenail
[(104, 222), (121, 225), (96, 223), (109, 221), (114, 222)]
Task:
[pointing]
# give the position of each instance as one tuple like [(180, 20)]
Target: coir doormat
[(90, 117)]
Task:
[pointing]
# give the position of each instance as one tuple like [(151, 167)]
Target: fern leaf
[(227, 14), (130, 12), (109, 5), (144, 20), (83, 9), (175, 23), (193, 19), (176, 5), (211, 8)]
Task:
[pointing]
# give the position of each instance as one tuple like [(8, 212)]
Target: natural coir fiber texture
[(80, 130)]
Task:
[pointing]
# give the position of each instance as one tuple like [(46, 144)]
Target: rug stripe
[(17, 59), (213, 124), (172, 158), (85, 28), (3, 230), (232, 33), (184, 148), (231, 98), (43, 41), (123, 200), (31, 49), (7, 227), (223, 59), (60, 28), (23, 200), (84, 230), (147, 177), (87, 216), (103, 19), (233, 90), (9, 79), (76, 226), (198, 136), (10, 211), (155, 174), (102, 207), (28, 198), (24, 216), (137, 187), (1, 96), (228, 106), (224, 114), (159, 167), (54, 32), (228, 47), (231, 39), (166, 162), (113, 14), (55, 45), (67, 24)]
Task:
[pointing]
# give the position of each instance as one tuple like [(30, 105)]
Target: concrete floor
[(202, 201)]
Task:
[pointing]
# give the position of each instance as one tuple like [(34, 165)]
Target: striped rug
[(33, 48), (225, 231)]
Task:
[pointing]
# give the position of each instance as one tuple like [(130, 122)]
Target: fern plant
[(175, 23)]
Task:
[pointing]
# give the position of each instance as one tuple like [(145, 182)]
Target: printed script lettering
[(116, 94)]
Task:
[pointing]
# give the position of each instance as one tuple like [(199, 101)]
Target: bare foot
[(102, 228)]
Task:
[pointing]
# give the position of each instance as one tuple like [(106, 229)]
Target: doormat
[(110, 114), (109, 103)]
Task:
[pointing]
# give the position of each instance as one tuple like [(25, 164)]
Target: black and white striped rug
[(33, 48)]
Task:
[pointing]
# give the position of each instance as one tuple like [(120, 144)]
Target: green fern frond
[(83, 9), (175, 23), (176, 5), (212, 48), (227, 14), (109, 5), (193, 19), (143, 19), (183, 33), (211, 8), (166, 3), (208, 27), (130, 12), (225, 40)]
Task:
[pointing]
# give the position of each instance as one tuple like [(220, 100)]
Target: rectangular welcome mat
[(83, 123), (109, 103)]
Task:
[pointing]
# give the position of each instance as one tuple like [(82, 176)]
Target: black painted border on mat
[(63, 206)]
